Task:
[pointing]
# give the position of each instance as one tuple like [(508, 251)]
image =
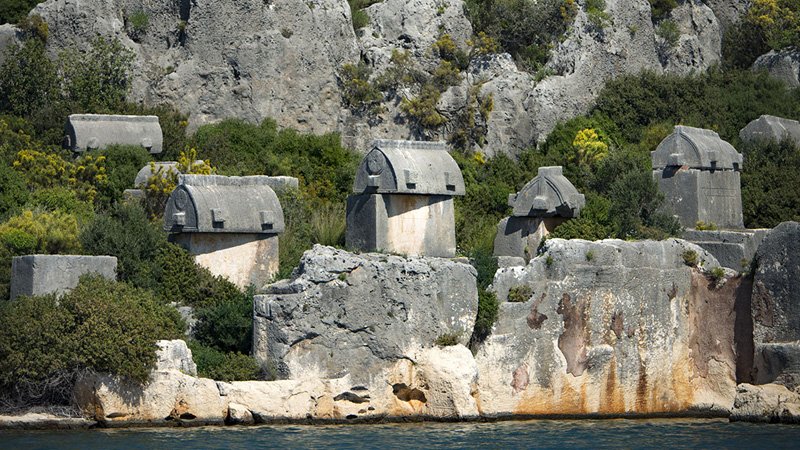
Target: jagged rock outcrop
[(783, 65), (249, 59), (257, 59), (775, 307), (344, 313), (170, 396), (770, 403), (611, 327)]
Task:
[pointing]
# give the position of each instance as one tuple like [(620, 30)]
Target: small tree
[(99, 79)]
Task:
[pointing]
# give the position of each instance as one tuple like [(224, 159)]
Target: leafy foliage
[(660, 9), (223, 366), (769, 184), (98, 80), (525, 29), (28, 79), (778, 21), (127, 233), (100, 325), (13, 11)]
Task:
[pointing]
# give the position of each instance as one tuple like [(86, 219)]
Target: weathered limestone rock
[(239, 415), (450, 378), (170, 397), (699, 175), (40, 421), (175, 355), (359, 314), (700, 43), (249, 59), (610, 327), (770, 403), (776, 290), (783, 65), (98, 131), (543, 204), (776, 308), (732, 249), (771, 128), (162, 167), (403, 200), (48, 274), (230, 225)]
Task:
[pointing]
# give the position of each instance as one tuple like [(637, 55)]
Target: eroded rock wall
[(611, 327)]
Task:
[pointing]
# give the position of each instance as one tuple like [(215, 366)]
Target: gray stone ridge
[(550, 194), (734, 249), (56, 274), (358, 314), (218, 204), (98, 131), (409, 167), (783, 65), (771, 128), (696, 148)]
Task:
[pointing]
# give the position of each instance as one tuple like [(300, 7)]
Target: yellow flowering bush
[(589, 148), (164, 180), (778, 21), (44, 170)]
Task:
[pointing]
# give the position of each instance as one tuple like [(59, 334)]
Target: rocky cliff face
[(360, 314), (611, 327), (256, 59)]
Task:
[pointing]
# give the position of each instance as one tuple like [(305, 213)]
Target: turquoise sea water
[(593, 434)]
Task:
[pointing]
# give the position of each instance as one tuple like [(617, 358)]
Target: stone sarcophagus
[(544, 203), (771, 128), (98, 131), (403, 200), (230, 224), (698, 173)]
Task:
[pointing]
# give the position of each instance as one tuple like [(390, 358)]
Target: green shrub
[(742, 44), (100, 325), (97, 80), (661, 9), (717, 274), (227, 323), (56, 232), (448, 339), (690, 258), (222, 366), (126, 232), (13, 11), (137, 24), (13, 191), (703, 226), (328, 224), (28, 79), (598, 17), (525, 29), (122, 163), (777, 20), (61, 199), (358, 93), (488, 311), (581, 228), (770, 192), (520, 294), (669, 32)]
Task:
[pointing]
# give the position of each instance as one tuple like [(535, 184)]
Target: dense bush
[(778, 22), (525, 29), (101, 325), (13, 191), (97, 80), (13, 11), (324, 167), (770, 181), (227, 324), (223, 366), (121, 164), (126, 232), (28, 79)]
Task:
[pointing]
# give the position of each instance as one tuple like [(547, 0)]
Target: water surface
[(595, 434)]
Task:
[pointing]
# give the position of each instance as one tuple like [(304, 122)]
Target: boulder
[(776, 290), (770, 403), (611, 328), (56, 274), (783, 65), (239, 415), (449, 376), (345, 313), (172, 396)]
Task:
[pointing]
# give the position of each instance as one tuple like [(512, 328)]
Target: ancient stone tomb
[(403, 200), (544, 203), (698, 173), (230, 224), (771, 128), (98, 131)]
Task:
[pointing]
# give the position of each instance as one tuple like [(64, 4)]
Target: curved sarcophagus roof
[(695, 148), (98, 131), (771, 128), (217, 204), (550, 194), (408, 167)]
